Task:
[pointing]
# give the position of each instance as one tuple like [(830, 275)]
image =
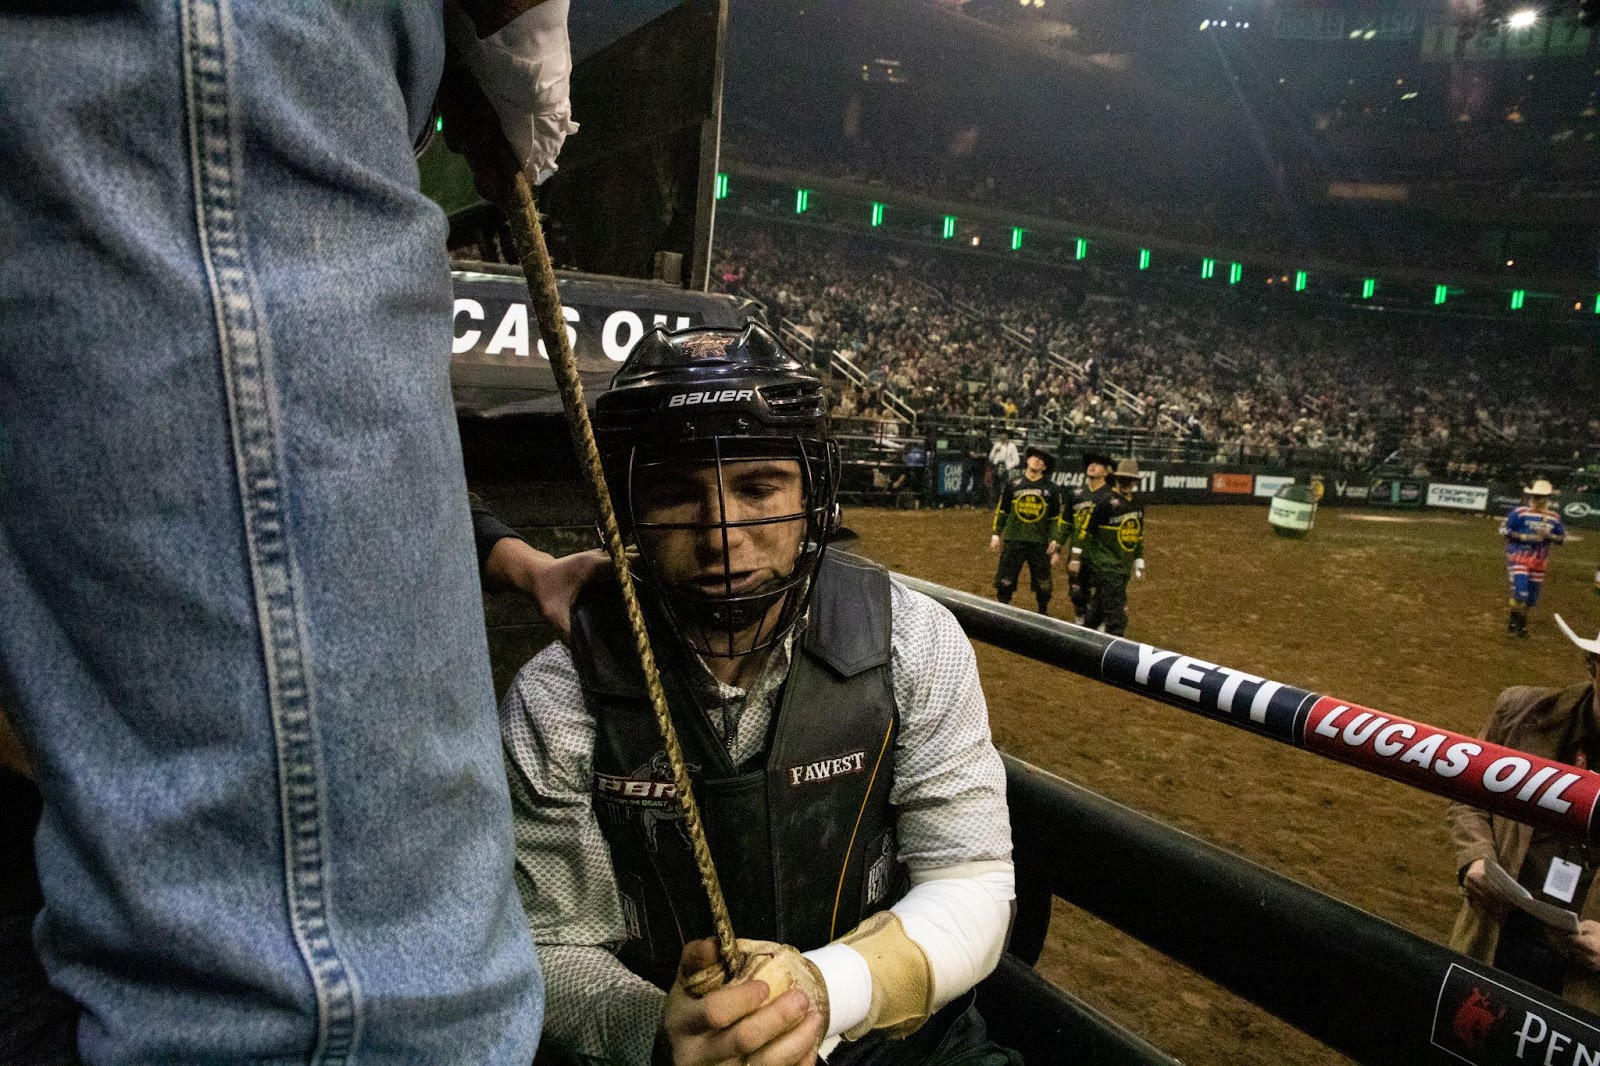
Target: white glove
[(525, 70), (994, 543), (1138, 569)]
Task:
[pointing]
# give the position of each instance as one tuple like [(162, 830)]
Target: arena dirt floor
[(1399, 611)]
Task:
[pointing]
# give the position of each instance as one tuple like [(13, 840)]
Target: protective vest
[(803, 835), (1029, 511)]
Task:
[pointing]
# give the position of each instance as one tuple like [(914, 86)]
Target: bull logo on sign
[(1475, 1018)]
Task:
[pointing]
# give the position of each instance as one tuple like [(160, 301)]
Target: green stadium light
[(1517, 298), (1596, 311), (1235, 272), (1299, 281), (1368, 287), (1144, 264), (949, 226), (802, 201), (1016, 238), (1208, 268), (877, 214), (1440, 292), (1083, 250), (438, 127), (722, 186)]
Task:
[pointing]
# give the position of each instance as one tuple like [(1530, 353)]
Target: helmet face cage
[(729, 625)]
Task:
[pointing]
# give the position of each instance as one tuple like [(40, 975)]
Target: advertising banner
[(1458, 497), (1581, 510), (1197, 484), (1163, 483), (1484, 1021), (1232, 484), (498, 361), (1269, 484), (949, 477), (1397, 492), (1503, 779), (1345, 490)]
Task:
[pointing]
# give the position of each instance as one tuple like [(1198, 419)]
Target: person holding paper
[(1555, 870)]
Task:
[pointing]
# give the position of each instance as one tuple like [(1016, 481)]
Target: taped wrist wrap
[(902, 979)]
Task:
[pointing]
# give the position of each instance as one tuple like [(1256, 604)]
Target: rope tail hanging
[(523, 217), (470, 127)]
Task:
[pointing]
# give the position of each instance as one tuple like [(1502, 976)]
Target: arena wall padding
[(1359, 984)]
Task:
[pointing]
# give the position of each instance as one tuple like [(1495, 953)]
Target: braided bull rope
[(522, 215)]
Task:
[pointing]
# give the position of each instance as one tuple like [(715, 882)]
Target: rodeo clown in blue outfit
[(1529, 530), (833, 726)]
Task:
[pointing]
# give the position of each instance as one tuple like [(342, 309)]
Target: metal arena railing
[(1541, 792), (1351, 980), (1355, 982)]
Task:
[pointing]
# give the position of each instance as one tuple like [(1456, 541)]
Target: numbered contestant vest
[(802, 836)]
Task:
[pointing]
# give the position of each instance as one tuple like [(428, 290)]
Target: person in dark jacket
[(1557, 724), (1113, 550), (1028, 529)]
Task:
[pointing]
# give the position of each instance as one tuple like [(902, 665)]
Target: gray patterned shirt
[(948, 794)]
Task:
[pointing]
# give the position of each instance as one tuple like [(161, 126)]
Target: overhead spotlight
[(1223, 24), (1246, 26), (1369, 35), (1521, 20), (1354, 34), (1204, 23)]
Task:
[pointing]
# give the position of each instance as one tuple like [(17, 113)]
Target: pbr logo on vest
[(648, 794)]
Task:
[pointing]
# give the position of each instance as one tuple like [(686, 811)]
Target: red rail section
[(1526, 787), (1538, 791), (1521, 786)]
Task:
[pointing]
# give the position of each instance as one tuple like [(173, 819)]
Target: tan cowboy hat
[(1127, 468), (1540, 488), (1590, 646)]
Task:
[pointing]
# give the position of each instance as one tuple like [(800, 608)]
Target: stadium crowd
[(1264, 224), (964, 336)]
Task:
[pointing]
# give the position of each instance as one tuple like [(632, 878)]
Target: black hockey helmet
[(720, 395)]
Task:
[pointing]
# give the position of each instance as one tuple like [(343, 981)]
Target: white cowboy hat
[(1590, 646), (1540, 488)]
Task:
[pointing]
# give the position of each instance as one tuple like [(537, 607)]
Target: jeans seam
[(215, 155)]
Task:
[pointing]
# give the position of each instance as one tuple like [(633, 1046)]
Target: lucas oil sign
[(1524, 787), (498, 357)]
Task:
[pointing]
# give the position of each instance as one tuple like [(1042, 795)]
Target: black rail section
[(1355, 982), (1047, 1025), (1541, 792)]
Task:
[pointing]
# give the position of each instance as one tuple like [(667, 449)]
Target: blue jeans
[(241, 633)]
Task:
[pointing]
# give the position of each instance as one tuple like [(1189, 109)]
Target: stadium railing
[(1353, 981)]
